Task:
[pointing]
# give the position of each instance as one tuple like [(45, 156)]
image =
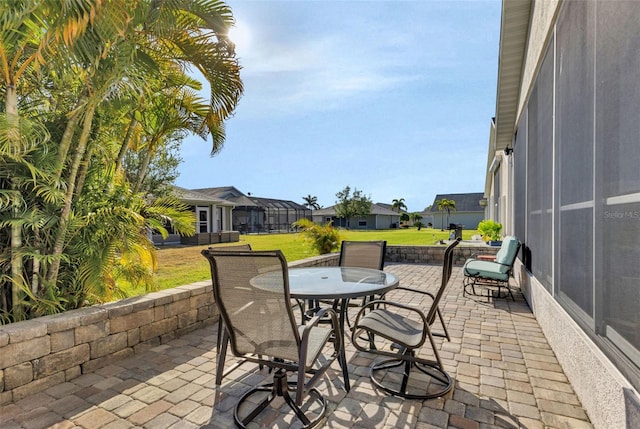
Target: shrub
[(323, 238), (490, 230)]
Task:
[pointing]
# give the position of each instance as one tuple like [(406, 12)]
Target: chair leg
[(222, 354), (439, 378), (280, 387), (446, 332)]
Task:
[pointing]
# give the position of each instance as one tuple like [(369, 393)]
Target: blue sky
[(393, 98)]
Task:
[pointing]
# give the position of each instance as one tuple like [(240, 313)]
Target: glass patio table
[(339, 284)]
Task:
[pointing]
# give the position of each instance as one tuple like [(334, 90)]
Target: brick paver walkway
[(506, 376)]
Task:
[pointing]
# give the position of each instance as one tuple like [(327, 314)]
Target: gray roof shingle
[(469, 202)]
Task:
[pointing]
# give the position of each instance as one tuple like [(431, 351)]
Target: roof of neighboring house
[(376, 209), (195, 197), (228, 193), (464, 202), (389, 207), (277, 204)]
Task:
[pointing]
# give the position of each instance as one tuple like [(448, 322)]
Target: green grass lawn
[(182, 265)]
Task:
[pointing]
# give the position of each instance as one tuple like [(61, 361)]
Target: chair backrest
[(251, 290), (234, 248), (447, 266), (363, 254), (508, 251)]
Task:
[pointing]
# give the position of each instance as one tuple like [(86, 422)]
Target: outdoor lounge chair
[(408, 328), (492, 273), (251, 290)]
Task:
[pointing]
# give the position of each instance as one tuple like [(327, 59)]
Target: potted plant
[(491, 232)]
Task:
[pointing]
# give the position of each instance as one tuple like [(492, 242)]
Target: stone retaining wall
[(38, 354), (435, 254)]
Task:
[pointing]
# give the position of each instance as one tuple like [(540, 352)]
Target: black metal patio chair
[(408, 328), (252, 293)]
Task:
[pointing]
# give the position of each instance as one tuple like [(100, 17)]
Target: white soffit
[(513, 41)]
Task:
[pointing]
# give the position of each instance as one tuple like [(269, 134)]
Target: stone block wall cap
[(24, 330)]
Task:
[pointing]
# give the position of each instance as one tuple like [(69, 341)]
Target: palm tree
[(398, 205), (200, 40), (416, 220), (68, 67), (440, 204), (311, 202), (448, 205)]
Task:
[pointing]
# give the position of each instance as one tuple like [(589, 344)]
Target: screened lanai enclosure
[(254, 215), (267, 215)]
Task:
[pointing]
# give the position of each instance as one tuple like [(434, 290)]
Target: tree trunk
[(125, 142), (58, 248), (84, 169), (11, 107), (65, 142), (145, 165)]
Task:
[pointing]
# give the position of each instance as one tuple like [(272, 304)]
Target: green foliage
[(311, 202), (94, 103), (350, 205), (323, 238), (445, 205), (398, 204), (490, 230)]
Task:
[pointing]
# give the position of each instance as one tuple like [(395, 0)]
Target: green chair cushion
[(508, 250), (486, 269)]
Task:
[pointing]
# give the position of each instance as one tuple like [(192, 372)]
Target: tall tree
[(398, 205), (350, 205), (77, 77), (447, 205), (311, 202)]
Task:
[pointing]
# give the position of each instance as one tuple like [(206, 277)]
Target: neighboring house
[(255, 214), (379, 218), (213, 219), (563, 167), (469, 211)]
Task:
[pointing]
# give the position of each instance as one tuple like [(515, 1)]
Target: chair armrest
[(391, 304), (423, 292), (313, 322)]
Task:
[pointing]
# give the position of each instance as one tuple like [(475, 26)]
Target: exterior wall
[(211, 238), (607, 395), (499, 202), (373, 221), (543, 16), (469, 220)]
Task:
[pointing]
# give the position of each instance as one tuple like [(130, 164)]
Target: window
[(362, 223), (574, 158), (540, 172)]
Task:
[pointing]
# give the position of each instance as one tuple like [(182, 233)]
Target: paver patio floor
[(505, 373)]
